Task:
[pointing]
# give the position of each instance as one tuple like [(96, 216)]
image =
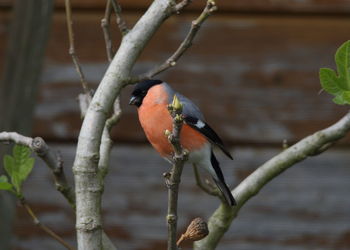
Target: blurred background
[(253, 71)]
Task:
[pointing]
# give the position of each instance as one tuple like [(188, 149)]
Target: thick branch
[(86, 173), (187, 43), (222, 218), (51, 158)]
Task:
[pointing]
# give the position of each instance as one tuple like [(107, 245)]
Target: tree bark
[(87, 179)]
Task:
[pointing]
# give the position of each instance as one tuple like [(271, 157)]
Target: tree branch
[(105, 22), (43, 227), (106, 141), (119, 19), (173, 179), (187, 43), (181, 5), (51, 158), (54, 162), (222, 218), (86, 171), (72, 47)]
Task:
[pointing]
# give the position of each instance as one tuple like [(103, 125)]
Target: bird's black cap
[(140, 91)]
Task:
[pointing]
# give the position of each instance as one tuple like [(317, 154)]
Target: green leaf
[(4, 184), (329, 81), (26, 168), (19, 166), (3, 178), (21, 152), (9, 164), (342, 59), (338, 84), (11, 170), (339, 100)]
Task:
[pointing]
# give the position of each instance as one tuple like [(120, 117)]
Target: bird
[(152, 97)]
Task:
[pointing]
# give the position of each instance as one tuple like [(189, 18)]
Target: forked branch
[(51, 158), (187, 42)]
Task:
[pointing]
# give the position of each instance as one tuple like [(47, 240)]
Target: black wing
[(207, 131)]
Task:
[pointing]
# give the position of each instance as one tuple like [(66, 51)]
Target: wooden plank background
[(254, 77), (307, 207), (253, 70)]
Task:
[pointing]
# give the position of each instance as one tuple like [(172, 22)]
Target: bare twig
[(43, 227), (105, 22), (106, 143), (54, 162), (222, 218), (173, 180), (117, 112), (52, 159), (181, 5), (187, 43), (72, 47), (119, 19)]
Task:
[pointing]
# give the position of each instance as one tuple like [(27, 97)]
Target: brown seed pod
[(197, 230)]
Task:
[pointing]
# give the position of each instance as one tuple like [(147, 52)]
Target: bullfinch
[(152, 98)]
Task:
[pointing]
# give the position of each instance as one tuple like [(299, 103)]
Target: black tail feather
[(226, 192), (220, 181)]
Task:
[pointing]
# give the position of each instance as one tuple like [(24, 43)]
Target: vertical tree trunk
[(28, 38)]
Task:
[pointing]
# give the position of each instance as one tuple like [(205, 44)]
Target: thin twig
[(181, 5), (54, 162), (43, 227), (173, 180), (117, 112), (187, 43), (72, 52), (106, 141), (105, 23), (52, 159), (119, 19)]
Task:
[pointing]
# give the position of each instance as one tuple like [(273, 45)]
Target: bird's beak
[(133, 100)]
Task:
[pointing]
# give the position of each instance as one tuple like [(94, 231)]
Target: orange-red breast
[(152, 98)]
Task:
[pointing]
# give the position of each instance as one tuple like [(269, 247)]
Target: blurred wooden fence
[(253, 70)]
